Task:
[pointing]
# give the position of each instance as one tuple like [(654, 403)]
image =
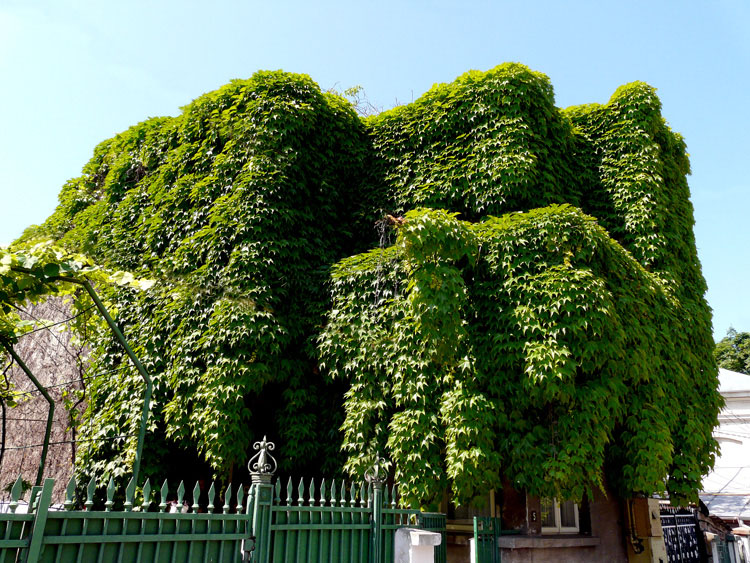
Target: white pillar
[(415, 546)]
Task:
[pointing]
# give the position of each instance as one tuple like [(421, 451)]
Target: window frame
[(559, 528)]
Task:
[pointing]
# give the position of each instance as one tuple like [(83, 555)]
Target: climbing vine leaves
[(527, 349), (537, 316), (549, 342)]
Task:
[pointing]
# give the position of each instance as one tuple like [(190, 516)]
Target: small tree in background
[(733, 351)]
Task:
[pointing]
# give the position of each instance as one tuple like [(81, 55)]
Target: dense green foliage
[(238, 206), (733, 351), (536, 346), (540, 316)]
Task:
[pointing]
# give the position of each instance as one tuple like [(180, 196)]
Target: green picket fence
[(311, 524), (147, 532), (332, 523), (335, 526)]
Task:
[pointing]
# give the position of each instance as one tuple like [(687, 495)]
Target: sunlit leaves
[(530, 346)]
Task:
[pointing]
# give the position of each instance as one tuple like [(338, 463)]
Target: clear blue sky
[(75, 72)]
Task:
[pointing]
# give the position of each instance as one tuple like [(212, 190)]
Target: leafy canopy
[(238, 206)]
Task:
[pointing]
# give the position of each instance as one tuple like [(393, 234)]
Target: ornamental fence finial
[(260, 463), (377, 475)]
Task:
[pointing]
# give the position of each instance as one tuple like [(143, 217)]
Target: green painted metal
[(14, 528), (435, 522), (40, 521), (377, 519), (487, 531), (136, 362), (319, 525), (50, 412), (316, 522), (118, 532)]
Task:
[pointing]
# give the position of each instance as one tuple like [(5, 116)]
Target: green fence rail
[(308, 523)]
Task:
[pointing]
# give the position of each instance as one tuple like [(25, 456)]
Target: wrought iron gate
[(682, 536)]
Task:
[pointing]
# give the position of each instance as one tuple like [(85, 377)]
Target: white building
[(726, 490)]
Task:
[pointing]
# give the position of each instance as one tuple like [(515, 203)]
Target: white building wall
[(726, 490)]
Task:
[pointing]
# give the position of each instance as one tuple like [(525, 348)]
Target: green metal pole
[(144, 374), (50, 414), (376, 477), (377, 520), (260, 503), (121, 339)]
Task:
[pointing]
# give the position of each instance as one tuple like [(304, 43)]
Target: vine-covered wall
[(540, 316)]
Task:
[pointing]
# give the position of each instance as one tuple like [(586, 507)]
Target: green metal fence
[(146, 532), (487, 530), (321, 523), (329, 522)]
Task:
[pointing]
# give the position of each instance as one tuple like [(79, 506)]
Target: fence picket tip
[(146, 496), (16, 494), (227, 499), (196, 497), (69, 492), (129, 494), (90, 490), (240, 499), (277, 492), (163, 493), (110, 495), (180, 494), (211, 498)]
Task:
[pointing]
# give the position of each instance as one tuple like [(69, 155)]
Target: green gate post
[(40, 521), (257, 548), (375, 478)]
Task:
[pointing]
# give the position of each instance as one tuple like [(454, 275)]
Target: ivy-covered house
[(500, 296)]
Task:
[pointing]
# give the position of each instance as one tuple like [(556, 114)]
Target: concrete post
[(415, 546)]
